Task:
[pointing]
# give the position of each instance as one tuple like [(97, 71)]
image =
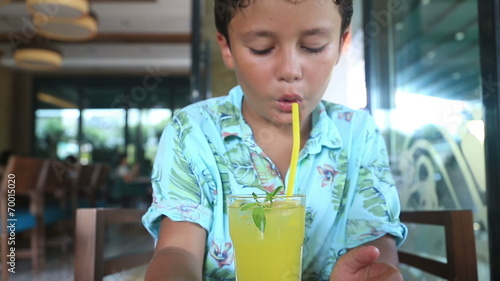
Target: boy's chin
[(282, 122)]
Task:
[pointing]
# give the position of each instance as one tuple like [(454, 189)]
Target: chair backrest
[(60, 179), (23, 176), (461, 262), (91, 225), (100, 175), (84, 178), (98, 184)]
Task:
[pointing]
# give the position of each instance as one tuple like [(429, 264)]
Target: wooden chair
[(91, 225), (98, 183), (24, 176), (59, 187), (83, 187), (461, 262), (59, 184)]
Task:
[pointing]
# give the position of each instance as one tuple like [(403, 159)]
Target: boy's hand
[(360, 264)]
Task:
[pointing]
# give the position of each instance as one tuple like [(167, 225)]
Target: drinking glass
[(270, 250)]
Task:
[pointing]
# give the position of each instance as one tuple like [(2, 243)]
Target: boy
[(282, 51)]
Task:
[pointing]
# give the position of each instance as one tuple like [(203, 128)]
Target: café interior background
[(415, 65)]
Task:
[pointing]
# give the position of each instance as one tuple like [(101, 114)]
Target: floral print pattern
[(222, 256), (208, 152)]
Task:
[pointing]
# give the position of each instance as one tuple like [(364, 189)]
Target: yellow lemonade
[(275, 253)]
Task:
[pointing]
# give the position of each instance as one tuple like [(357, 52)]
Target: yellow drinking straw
[(295, 149)]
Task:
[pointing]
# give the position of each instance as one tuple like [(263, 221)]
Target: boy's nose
[(288, 67)]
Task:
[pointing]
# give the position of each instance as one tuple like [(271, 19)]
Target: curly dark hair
[(224, 11)]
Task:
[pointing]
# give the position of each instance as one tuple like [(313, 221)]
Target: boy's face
[(283, 51)]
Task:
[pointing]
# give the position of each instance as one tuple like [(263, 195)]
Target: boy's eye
[(315, 50), (268, 50), (260, 52)]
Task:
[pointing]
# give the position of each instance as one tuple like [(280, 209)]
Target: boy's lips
[(285, 102)]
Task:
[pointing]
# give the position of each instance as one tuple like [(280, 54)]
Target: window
[(96, 119), (425, 94)]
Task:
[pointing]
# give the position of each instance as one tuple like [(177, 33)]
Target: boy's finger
[(358, 258)]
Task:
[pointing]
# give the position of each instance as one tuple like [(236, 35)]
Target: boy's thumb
[(358, 258)]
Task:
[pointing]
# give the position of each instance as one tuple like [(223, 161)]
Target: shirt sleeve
[(375, 207), (177, 191)]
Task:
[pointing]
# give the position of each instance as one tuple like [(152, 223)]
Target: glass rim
[(264, 196)]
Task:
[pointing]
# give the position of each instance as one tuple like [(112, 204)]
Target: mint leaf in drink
[(270, 195), (247, 206), (255, 197), (276, 191), (259, 218)]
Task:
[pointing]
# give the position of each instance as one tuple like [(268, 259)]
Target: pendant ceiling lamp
[(67, 29), (59, 8), (37, 56)]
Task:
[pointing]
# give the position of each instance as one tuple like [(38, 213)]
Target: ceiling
[(136, 36)]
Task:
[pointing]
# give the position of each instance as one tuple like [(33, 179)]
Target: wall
[(16, 111), (23, 112), (347, 85), (223, 79), (6, 97)]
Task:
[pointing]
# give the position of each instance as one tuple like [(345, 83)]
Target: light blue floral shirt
[(207, 152)]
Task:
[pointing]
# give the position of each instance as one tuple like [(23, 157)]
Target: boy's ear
[(344, 43), (227, 56)]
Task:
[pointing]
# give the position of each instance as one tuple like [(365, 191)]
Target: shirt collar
[(231, 118), (324, 130)]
